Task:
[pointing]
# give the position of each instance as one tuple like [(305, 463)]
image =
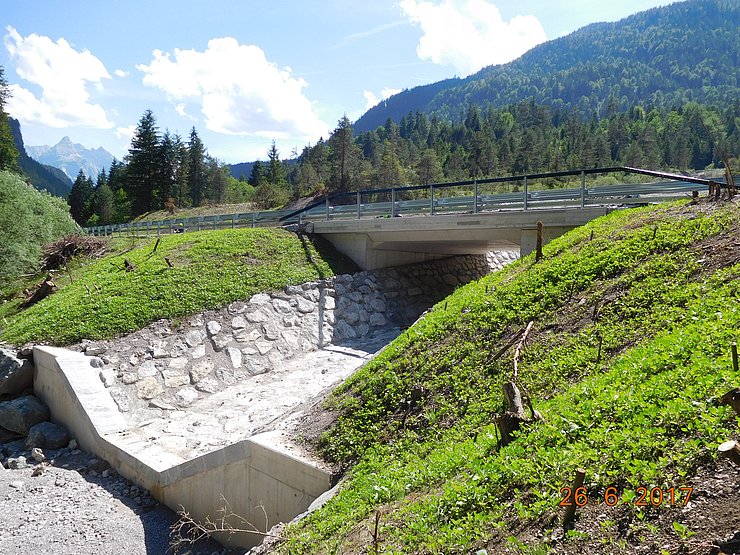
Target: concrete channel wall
[(262, 472)]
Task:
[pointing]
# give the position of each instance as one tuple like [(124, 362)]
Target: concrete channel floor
[(267, 402)]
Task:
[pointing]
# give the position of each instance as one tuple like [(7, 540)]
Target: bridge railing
[(518, 192), (196, 223), (526, 193)]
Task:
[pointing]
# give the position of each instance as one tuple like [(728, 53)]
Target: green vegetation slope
[(633, 318), (172, 276), (28, 219)]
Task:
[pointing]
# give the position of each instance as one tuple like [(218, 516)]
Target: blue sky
[(245, 73)]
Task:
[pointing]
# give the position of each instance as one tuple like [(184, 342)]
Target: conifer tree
[(196, 168), (8, 151), (143, 168), (80, 199)]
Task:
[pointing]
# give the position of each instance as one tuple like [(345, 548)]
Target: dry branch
[(518, 351), (515, 416), (61, 251), (43, 290), (187, 531)]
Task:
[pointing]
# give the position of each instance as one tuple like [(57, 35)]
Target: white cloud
[(240, 91), (120, 73), (373, 100), (63, 75), (180, 109), (126, 132), (471, 34)]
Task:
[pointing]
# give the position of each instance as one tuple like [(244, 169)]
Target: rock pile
[(22, 415), (170, 365)]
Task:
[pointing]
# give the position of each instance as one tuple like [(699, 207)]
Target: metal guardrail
[(389, 202)]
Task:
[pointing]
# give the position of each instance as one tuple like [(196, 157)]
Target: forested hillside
[(662, 58), (518, 139)]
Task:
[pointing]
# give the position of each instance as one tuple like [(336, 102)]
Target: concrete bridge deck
[(379, 243)]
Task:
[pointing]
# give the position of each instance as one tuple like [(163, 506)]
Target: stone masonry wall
[(167, 366)]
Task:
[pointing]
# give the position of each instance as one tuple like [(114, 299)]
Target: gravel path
[(74, 504)]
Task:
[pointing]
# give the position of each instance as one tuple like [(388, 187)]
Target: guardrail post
[(526, 192), (431, 199), (393, 202), (583, 189), (300, 218), (359, 206), (475, 201), (327, 209), (253, 219)]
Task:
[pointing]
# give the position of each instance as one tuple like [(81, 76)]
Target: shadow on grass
[(339, 263)]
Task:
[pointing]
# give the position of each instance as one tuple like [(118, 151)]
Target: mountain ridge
[(72, 157), (685, 51), (41, 176)]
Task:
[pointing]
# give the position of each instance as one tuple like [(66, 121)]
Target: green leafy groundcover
[(633, 322), (209, 269)]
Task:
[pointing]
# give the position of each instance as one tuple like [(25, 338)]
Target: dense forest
[(522, 138), (663, 58)]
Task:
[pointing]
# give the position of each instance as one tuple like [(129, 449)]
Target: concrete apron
[(265, 478)]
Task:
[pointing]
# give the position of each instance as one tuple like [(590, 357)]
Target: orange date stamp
[(611, 496)]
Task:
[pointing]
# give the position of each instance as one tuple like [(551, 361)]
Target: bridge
[(400, 225)]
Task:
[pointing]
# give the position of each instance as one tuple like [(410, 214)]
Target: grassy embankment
[(100, 299), (633, 317)]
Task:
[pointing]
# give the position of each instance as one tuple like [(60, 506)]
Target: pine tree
[(168, 168), (181, 175), (258, 175), (144, 162), (275, 170), (80, 199), (344, 156), (196, 168), (103, 205), (8, 151)]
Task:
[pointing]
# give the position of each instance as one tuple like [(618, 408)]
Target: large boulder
[(16, 374), (20, 415), (47, 435)]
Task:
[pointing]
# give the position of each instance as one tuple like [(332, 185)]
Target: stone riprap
[(21, 414), (168, 367), (16, 374)]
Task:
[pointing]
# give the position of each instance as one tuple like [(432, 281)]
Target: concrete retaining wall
[(261, 477)]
